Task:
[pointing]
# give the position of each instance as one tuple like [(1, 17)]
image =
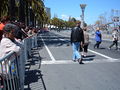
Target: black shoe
[(82, 56), (74, 60), (80, 61)]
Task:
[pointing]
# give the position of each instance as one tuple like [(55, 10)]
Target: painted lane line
[(58, 62), (50, 54), (109, 58), (71, 62)]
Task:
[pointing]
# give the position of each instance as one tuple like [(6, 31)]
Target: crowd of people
[(11, 35)]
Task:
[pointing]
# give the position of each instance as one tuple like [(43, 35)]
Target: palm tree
[(3, 7), (37, 7), (7, 8), (38, 11)]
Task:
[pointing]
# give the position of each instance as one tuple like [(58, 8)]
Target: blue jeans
[(75, 47)]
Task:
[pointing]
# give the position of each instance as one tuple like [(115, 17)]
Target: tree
[(3, 7)]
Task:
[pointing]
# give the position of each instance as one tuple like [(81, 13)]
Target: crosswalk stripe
[(71, 62)]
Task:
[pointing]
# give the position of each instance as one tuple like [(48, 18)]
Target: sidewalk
[(33, 75)]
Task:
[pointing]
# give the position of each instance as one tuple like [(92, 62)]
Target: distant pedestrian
[(98, 37), (115, 36), (84, 49), (77, 38)]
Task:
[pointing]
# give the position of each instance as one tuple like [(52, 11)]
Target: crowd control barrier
[(12, 66)]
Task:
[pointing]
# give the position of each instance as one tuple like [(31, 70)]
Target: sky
[(71, 8)]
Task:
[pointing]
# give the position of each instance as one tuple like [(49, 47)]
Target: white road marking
[(109, 58), (57, 62), (62, 39), (51, 56), (71, 62)]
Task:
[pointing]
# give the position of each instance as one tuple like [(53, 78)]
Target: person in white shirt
[(115, 37), (8, 42)]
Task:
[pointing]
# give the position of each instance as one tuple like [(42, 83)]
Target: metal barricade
[(12, 66), (9, 72)]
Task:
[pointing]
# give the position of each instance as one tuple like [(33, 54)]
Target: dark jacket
[(19, 34), (77, 35)]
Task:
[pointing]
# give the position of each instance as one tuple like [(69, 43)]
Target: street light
[(82, 16)]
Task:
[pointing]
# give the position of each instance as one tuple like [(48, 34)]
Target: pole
[(82, 16)]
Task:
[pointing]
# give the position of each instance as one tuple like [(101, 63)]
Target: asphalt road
[(101, 70)]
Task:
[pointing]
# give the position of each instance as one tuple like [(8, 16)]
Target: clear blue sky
[(65, 8)]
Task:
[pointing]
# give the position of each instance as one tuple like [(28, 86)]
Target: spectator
[(4, 20), (20, 34), (8, 44)]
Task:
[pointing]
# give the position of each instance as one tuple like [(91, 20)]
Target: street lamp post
[(82, 16)]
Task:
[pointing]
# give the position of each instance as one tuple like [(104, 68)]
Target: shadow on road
[(56, 40), (34, 76), (33, 73), (89, 58)]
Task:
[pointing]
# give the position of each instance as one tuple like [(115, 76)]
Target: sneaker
[(109, 48)]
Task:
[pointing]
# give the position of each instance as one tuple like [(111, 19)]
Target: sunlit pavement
[(51, 66)]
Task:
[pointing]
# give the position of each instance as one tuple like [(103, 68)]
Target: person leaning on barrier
[(20, 34), (8, 44)]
